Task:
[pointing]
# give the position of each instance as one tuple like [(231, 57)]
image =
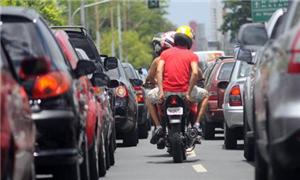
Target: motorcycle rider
[(178, 72), (160, 42)]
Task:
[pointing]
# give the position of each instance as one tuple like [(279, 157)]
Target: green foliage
[(134, 50), (238, 12), (48, 8)]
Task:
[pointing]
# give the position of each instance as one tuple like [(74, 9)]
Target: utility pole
[(97, 28), (69, 12), (119, 31), (113, 53), (82, 14)]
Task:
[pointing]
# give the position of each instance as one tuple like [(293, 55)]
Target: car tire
[(261, 167), (230, 137), (112, 150), (102, 157), (143, 131), (84, 166), (208, 130), (248, 142), (131, 138), (107, 155), (93, 159)]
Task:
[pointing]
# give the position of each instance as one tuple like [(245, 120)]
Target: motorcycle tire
[(177, 148)]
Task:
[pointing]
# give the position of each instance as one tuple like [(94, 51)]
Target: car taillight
[(137, 88), (121, 91), (294, 62), (235, 96), (213, 95), (140, 98), (50, 85)]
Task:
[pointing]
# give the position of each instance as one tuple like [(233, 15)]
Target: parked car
[(276, 97), (143, 123), (272, 29), (233, 104), (95, 122), (214, 117), (56, 111), (124, 107), (17, 130)]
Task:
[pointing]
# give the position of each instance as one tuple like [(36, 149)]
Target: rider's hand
[(188, 96), (161, 96)]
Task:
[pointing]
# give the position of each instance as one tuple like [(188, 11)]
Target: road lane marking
[(44, 176), (191, 154), (199, 168)]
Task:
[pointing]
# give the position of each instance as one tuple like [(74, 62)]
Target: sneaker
[(161, 143), (156, 134)]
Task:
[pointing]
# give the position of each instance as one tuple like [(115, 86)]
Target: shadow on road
[(159, 155), (171, 161)]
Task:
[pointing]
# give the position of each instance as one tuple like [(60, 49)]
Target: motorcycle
[(178, 116)]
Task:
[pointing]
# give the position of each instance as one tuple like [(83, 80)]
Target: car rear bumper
[(233, 116), (215, 116), (123, 122), (56, 129), (142, 119), (54, 157)]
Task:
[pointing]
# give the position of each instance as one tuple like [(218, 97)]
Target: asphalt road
[(209, 161)]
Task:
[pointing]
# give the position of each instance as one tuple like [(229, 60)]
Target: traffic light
[(153, 4)]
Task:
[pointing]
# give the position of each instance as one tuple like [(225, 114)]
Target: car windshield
[(225, 71)]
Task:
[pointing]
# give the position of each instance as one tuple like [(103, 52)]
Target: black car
[(59, 117), (143, 122), (125, 107)]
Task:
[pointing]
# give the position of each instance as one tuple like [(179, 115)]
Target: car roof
[(20, 11)]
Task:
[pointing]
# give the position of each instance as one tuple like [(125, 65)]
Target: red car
[(17, 130), (214, 117), (95, 121)]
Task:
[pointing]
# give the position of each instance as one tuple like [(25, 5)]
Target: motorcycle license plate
[(175, 111)]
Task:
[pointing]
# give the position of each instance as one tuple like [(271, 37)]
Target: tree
[(237, 13), (49, 9)]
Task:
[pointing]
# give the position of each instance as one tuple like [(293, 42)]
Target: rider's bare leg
[(152, 111), (201, 110)]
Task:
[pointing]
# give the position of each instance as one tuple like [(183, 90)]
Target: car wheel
[(248, 142), (261, 167), (208, 130), (143, 131), (112, 150), (107, 155), (230, 139), (131, 138), (102, 158), (84, 166), (93, 159)]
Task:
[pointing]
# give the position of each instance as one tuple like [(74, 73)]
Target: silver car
[(233, 105)]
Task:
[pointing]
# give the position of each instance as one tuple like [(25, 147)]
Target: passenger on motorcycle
[(178, 72)]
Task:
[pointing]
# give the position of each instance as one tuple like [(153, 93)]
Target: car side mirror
[(110, 63), (244, 55), (136, 82), (223, 84), (34, 66), (100, 79), (84, 67), (113, 83), (252, 36)]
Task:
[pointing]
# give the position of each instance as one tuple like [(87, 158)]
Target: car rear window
[(130, 74), (113, 73), (225, 71), (244, 70)]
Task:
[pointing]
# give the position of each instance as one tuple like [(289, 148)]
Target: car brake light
[(121, 91), (235, 96), (137, 88), (140, 98), (213, 95), (294, 63), (50, 85)]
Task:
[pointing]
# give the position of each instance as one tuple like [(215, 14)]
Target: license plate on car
[(175, 111)]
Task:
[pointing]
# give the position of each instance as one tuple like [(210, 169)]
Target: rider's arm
[(200, 74), (160, 70), (194, 76), (152, 71)]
